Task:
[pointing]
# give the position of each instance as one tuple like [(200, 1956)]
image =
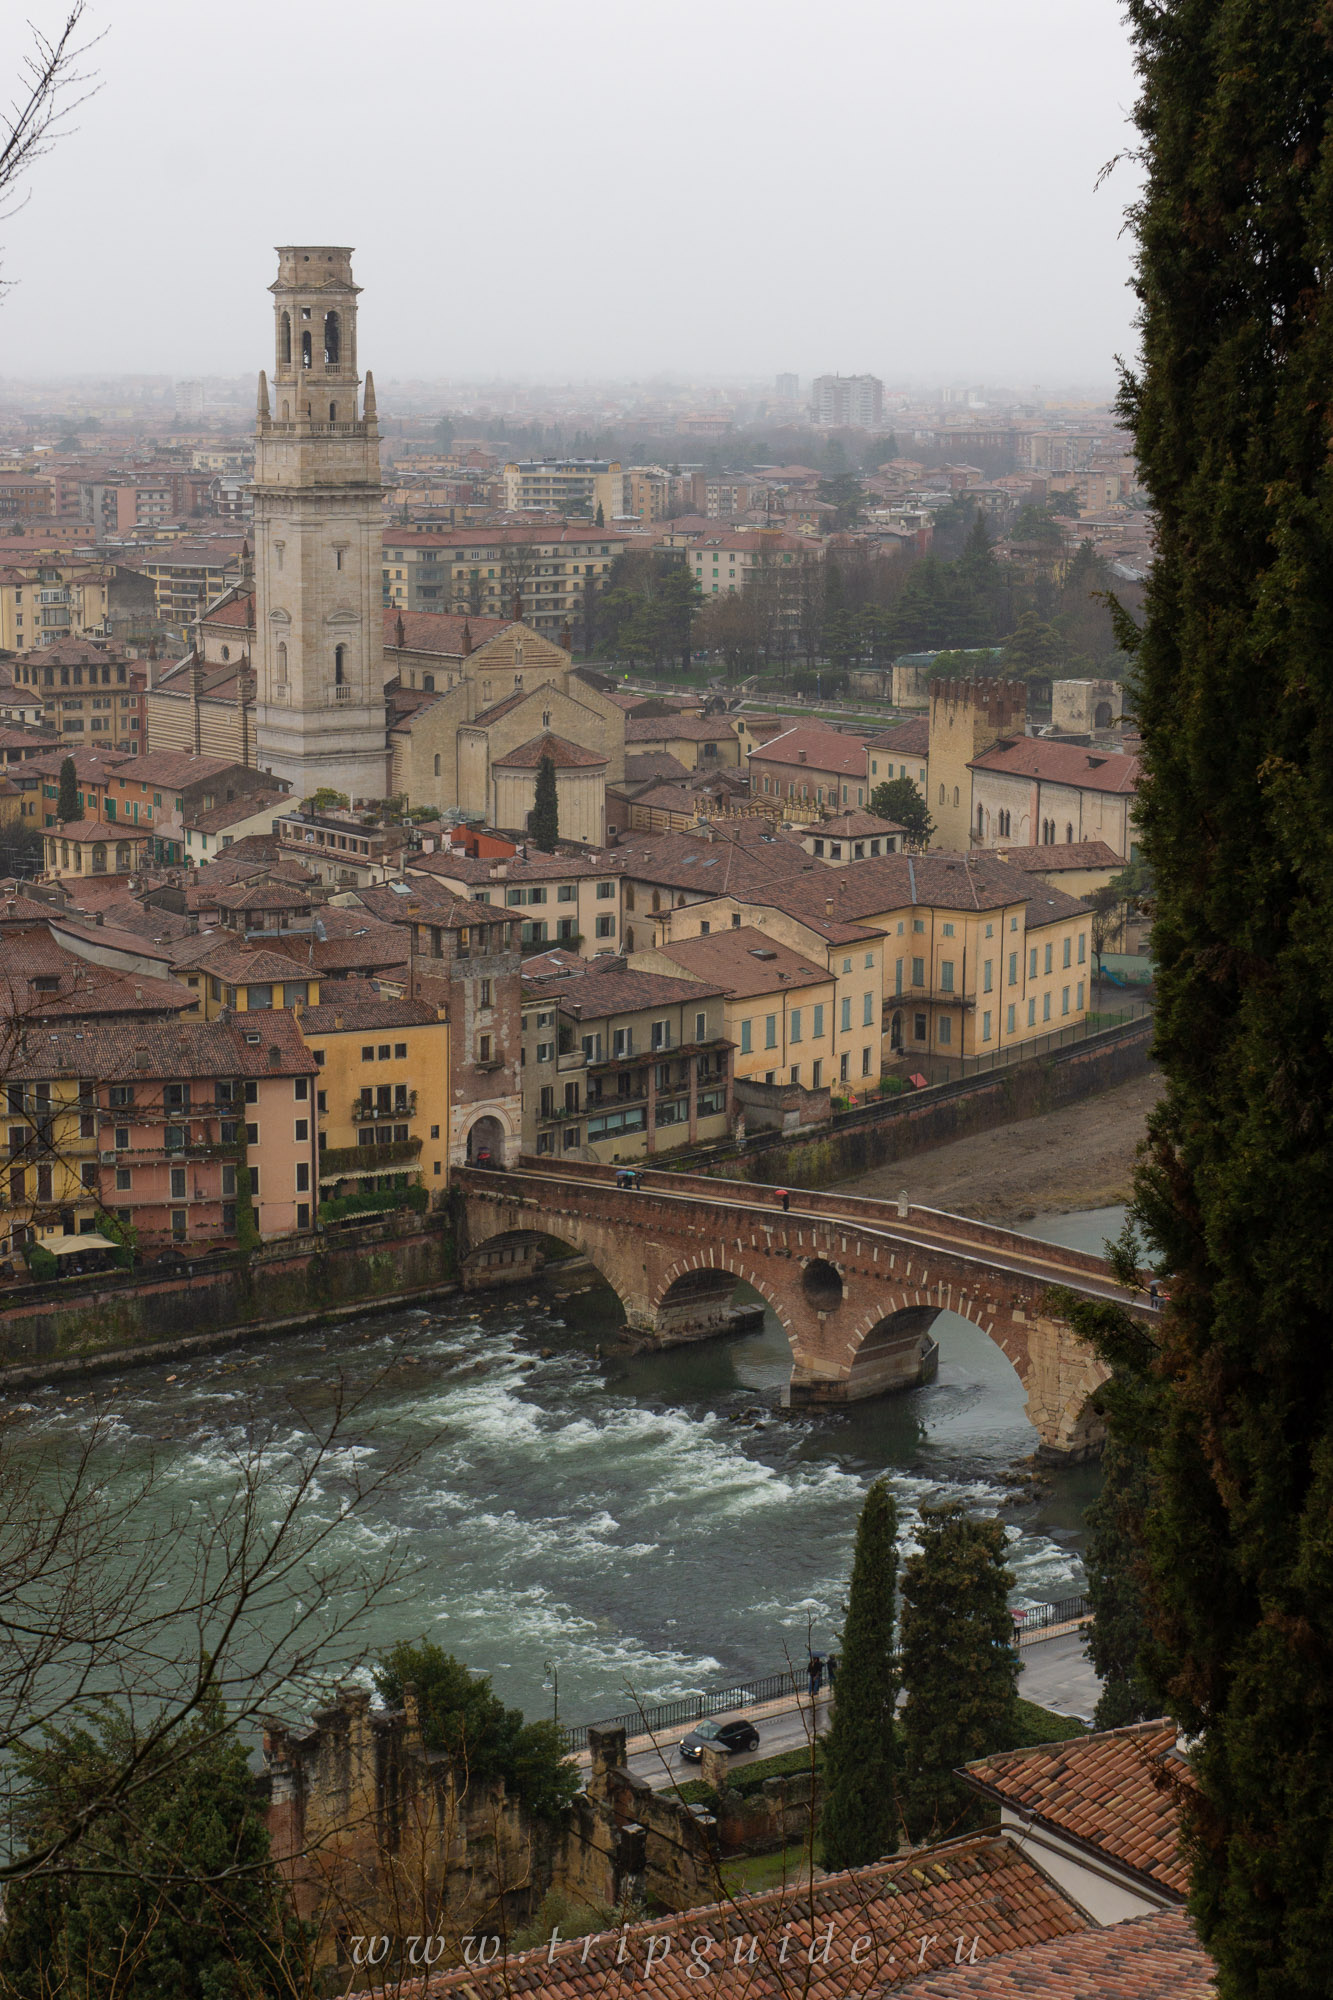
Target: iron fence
[(687, 1709)]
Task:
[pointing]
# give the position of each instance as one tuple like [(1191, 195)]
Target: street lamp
[(552, 1682)]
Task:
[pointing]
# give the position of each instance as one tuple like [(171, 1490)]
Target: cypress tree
[(959, 1667), (544, 819), (860, 1819), (67, 805), (1232, 411)]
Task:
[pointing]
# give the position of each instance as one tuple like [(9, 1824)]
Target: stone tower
[(319, 697), (967, 718)]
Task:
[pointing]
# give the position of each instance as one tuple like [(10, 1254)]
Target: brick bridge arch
[(673, 1252)]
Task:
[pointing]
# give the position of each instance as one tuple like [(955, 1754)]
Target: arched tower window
[(282, 661), (332, 340), (1069, 835), (285, 340), (305, 348), (333, 413), (981, 822), (339, 665), (437, 763)]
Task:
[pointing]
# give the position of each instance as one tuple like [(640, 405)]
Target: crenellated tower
[(319, 707)]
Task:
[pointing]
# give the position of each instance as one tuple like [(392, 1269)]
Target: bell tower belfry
[(319, 698)]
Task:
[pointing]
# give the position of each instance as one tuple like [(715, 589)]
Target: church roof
[(564, 755)]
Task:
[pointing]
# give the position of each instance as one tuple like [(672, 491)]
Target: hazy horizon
[(670, 196)]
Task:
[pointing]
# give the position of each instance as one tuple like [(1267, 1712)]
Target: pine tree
[(174, 1895), (544, 819), (67, 805), (1231, 414), (898, 799), (860, 1819), (959, 1667)]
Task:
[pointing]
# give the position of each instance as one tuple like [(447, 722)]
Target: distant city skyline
[(953, 230)]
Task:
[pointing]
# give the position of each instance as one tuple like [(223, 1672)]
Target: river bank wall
[(901, 1127), (122, 1319)]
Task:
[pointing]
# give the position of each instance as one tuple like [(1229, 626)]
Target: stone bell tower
[(319, 697)]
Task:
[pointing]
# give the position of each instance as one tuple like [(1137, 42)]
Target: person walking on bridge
[(785, 1198), (815, 1671)]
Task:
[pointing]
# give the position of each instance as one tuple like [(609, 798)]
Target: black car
[(728, 1736)]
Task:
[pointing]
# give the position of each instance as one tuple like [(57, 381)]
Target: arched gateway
[(855, 1284)]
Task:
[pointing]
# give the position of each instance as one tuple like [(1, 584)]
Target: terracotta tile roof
[(914, 1910), (218, 818), (855, 826), (976, 881), (1110, 1792), (611, 987), (263, 896), (816, 749), (1067, 854), (73, 653), (678, 729), (746, 961), (239, 613), (908, 739), (677, 799), (1062, 764), (224, 957), (93, 766), (564, 755), (485, 871), (1147, 1958), (108, 1050), (648, 765), (439, 631), (359, 1006), (170, 768), (98, 829)]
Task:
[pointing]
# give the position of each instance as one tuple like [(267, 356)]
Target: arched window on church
[(1069, 835), (340, 665), (285, 341), (306, 356), (333, 413), (282, 662), (332, 340), (437, 763)]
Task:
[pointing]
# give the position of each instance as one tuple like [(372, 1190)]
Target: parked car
[(729, 1736)]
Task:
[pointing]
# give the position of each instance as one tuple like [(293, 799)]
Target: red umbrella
[(917, 1080)]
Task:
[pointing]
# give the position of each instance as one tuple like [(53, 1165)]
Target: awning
[(917, 1080), (74, 1246)]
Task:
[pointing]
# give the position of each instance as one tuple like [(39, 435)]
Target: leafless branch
[(51, 89)]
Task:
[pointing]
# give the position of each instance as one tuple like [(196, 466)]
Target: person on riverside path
[(785, 1198), (832, 1665), (815, 1670)]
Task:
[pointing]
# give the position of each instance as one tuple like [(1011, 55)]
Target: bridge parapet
[(855, 1285)]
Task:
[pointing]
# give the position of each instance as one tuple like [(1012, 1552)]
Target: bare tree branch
[(51, 89)]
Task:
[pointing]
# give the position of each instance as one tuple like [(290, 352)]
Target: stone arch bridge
[(856, 1284)]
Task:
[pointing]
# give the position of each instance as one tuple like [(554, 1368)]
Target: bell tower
[(319, 697)]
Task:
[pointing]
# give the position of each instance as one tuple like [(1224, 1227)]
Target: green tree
[(1108, 917), (599, 520), (67, 805), (464, 1718), (959, 1667), (178, 1896), (444, 432), (1066, 504), (1032, 650), (860, 1818), (1231, 417), (899, 800), (544, 819)]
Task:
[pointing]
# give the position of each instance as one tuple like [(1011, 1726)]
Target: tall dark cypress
[(544, 819), (860, 1817), (1233, 413)]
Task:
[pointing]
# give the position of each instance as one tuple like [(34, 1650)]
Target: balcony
[(340, 691), (571, 1059), (335, 1161), (404, 1107)]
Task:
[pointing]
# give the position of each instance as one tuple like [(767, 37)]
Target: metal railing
[(1030, 1621)]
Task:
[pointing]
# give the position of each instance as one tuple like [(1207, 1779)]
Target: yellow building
[(780, 1008), (967, 718), (383, 1091), (51, 599)]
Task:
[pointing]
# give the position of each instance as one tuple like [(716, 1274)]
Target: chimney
[(467, 638), (399, 632), (140, 1057), (828, 906), (518, 607)]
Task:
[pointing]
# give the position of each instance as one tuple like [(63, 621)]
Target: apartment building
[(566, 486), (729, 562), (174, 1128), (780, 1009), (480, 573), (620, 1063), (188, 576), (88, 694), (1036, 793), (568, 900), (382, 1097), (809, 765), (43, 603), (847, 402)]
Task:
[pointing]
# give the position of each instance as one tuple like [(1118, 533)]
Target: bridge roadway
[(856, 1282)]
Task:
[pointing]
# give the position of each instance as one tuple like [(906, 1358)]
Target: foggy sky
[(707, 188)]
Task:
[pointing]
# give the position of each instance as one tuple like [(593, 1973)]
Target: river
[(646, 1523)]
